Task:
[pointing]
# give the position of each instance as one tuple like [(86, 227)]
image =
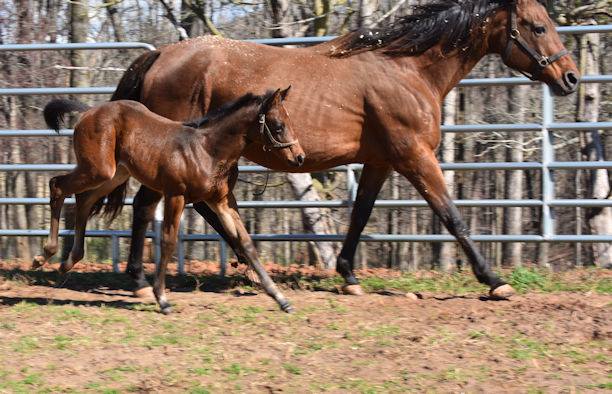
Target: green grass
[(522, 279), (292, 369)]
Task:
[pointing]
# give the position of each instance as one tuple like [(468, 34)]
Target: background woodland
[(165, 21)]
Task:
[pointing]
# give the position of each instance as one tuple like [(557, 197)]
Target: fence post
[(157, 232), (548, 182), (115, 252), (222, 257), (180, 251)]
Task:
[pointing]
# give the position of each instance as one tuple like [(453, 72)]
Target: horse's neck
[(228, 135), (443, 73)]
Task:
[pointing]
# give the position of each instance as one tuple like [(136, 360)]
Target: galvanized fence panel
[(546, 166)]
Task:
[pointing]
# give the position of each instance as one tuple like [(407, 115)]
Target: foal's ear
[(284, 93), (269, 101)]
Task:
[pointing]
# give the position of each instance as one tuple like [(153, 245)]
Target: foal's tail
[(129, 88), (56, 109)]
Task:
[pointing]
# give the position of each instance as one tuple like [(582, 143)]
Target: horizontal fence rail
[(547, 163)]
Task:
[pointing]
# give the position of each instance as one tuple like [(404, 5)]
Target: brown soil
[(97, 338)]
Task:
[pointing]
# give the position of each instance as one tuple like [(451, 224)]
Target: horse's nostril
[(300, 159), (571, 79)]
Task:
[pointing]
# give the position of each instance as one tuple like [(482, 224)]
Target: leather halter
[(271, 142), (514, 36)]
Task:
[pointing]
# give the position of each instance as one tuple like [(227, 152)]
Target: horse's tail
[(56, 109), (129, 88)]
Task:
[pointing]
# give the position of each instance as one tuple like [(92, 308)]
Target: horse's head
[(275, 130), (525, 36)]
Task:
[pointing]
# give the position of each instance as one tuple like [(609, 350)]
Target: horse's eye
[(539, 30)]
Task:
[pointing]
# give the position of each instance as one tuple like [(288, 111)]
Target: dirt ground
[(86, 333)]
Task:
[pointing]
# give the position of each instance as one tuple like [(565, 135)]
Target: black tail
[(129, 88), (56, 109)]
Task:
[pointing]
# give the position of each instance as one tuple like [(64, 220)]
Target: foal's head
[(525, 36), (274, 129)]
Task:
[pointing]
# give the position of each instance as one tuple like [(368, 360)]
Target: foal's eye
[(539, 30)]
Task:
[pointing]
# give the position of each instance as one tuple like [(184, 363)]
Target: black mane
[(227, 109), (448, 22)]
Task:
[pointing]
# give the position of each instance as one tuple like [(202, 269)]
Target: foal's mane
[(447, 22), (228, 109)]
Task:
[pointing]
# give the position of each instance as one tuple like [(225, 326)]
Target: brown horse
[(186, 162), (370, 96)]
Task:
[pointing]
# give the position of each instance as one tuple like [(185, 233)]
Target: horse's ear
[(268, 101), (284, 93)]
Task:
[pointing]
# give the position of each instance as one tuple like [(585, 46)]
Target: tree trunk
[(367, 8), (313, 219), (512, 252), (599, 220), (447, 249)]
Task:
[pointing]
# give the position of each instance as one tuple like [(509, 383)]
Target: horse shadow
[(120, 284)]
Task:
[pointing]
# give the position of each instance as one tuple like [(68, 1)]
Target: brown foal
[(186, 162), (369, 96)]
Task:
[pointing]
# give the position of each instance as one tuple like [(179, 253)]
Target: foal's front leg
[(227, 212), (173, 208)]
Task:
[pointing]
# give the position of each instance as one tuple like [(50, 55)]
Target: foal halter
[(271, 142), (514, 36)]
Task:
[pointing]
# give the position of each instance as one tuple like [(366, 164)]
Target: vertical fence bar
[(548, 156), (180, 250), (351, 186), (115, 252), (157, 230), (222, 257)]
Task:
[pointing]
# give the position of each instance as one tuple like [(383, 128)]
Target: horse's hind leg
[(227, 212), (84, 204), (372, 179), (423, 170), (145, 202)]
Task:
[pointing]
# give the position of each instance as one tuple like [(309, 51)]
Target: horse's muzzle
[(567, 84), (298, 160)]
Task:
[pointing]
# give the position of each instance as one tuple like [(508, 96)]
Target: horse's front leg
[(227, 212), (423, 170), (145, 202), (173, 208), (370, 183)]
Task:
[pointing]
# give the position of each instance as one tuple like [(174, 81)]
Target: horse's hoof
[(144, 292), (64, 268), (38, 262), (166, 310), (502, 292), (355, 290)]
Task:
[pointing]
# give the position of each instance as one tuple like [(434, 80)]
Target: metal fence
[(547, 164)]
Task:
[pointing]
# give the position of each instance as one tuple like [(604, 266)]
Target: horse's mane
[(446, 22), (227, 109)]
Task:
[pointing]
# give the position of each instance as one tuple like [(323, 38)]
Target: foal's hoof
[(165, 309), (502, 292), (144, 293), (38, 262), (355, 290), (287, 307)]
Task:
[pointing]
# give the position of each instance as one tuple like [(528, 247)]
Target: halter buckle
[(515, 33)]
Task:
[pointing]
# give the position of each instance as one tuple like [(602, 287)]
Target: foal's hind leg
[(423, 170), (59, 187), (84, 203), (227, 212)]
